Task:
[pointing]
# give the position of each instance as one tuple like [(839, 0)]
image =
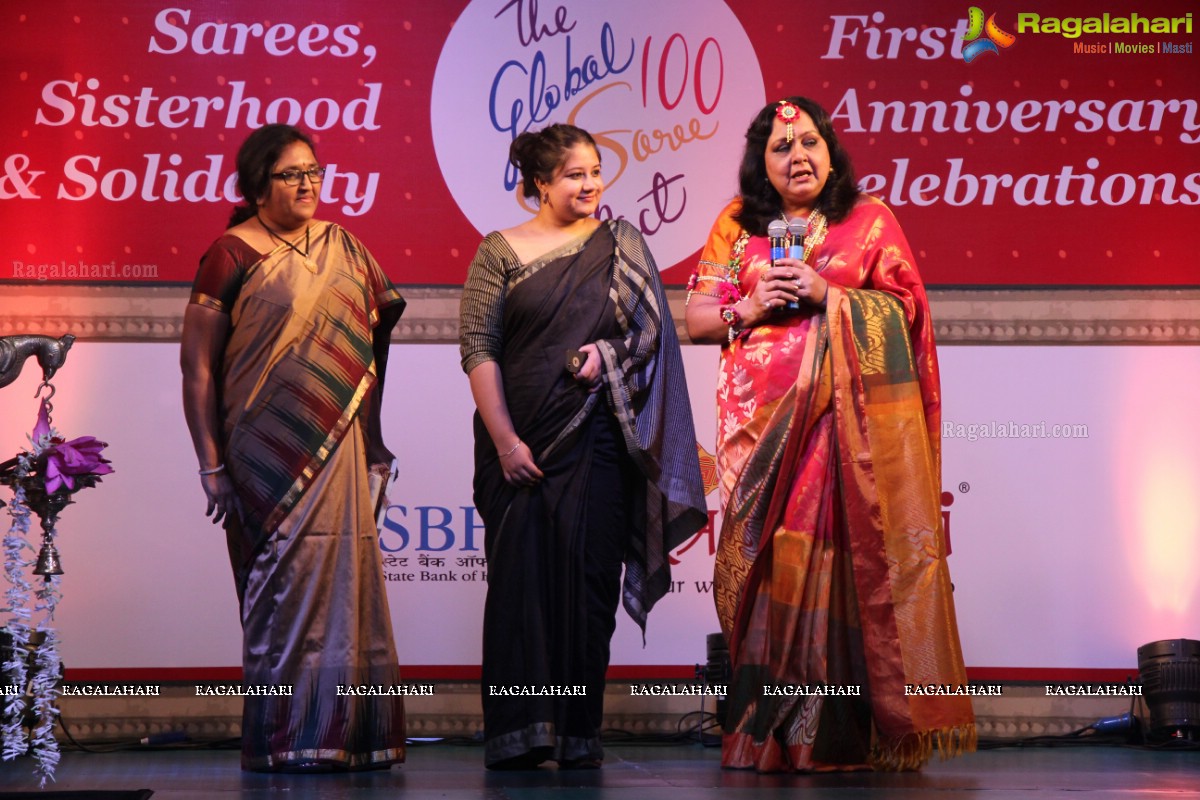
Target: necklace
[(308, 261)]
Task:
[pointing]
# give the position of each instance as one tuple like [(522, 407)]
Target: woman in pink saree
[(831, 580)]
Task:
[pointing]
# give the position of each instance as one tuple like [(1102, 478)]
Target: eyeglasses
[(292, 177)]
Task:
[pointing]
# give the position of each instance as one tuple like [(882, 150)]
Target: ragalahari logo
[(996, 38)]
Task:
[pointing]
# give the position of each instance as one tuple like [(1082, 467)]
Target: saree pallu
[(297, 367), (621, 486), (315, 619), (831, 568)]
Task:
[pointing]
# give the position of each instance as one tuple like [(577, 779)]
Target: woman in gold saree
[(284, 349), (831, 581)]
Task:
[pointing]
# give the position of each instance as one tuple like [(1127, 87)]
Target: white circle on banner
[(667, 96)]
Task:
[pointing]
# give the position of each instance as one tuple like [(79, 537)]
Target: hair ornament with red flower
[(787, 113)]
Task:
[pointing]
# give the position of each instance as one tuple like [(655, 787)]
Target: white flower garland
[(42, 686), (17, 601)]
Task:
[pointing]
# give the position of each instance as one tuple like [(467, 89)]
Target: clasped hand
[(786, 282), (519, 466), (589, 373)]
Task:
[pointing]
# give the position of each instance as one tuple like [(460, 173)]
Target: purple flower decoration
[(42, 427), (73, 459), (66, 462)]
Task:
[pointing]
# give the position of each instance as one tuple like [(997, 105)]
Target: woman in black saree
[(585, 457)]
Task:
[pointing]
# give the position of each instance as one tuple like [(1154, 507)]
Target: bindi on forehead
[(297, 155)]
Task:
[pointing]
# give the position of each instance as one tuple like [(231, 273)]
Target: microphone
[(777, 232), (796, 230)]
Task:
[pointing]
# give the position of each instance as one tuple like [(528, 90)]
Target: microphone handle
[(796, 251), (778, 251)]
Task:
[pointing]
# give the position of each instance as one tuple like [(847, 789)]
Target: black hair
[(255, 160), (760, 202), (538, 154)]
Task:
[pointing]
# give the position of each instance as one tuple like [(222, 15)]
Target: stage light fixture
[(1170, 675)]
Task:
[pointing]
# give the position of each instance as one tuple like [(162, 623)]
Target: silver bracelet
[(510, 452), (214, 470)]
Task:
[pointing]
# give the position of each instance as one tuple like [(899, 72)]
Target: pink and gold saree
[(831, 581)]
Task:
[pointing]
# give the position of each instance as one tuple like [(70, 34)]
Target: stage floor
[(636, 773)]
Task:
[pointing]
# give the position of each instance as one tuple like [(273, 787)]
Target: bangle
[(731, 317), (214, 470), (510, 452)]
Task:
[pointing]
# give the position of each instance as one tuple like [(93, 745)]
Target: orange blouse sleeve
[(713, 271)]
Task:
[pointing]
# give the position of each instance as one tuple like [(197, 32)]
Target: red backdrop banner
[(1050, 146)]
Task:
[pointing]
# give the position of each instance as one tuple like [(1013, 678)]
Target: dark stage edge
[(638, 773)]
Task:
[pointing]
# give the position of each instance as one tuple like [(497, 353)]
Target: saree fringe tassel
[(911, 751)]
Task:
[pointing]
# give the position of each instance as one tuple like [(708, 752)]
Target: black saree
[(621, 488)]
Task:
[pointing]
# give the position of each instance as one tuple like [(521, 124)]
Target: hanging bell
[(48, 562)]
